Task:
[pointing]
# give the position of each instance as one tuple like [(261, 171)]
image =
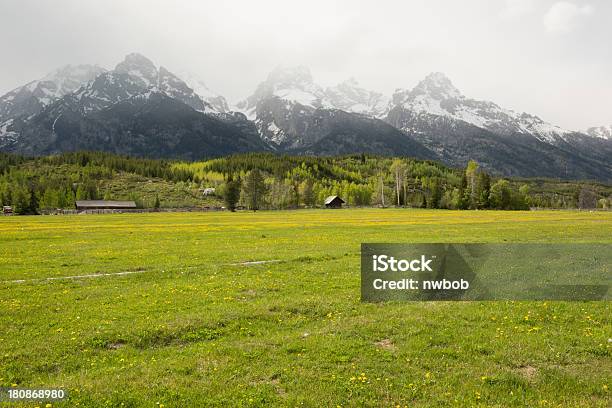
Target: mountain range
[(140, 109)]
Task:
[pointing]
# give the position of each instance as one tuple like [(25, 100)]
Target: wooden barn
[(333, 202), (83, 205)]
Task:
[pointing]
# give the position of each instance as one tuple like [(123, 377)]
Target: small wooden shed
[(333, 202)]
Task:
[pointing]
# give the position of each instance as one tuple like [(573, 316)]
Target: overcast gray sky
[(547, 57)]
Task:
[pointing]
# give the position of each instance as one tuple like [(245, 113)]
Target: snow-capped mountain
[(185, 87), (134, 109), (176, 88), (293, 85), (436, 95), (140, 68), (135, 75), (350, 97), (95, 88), (216, 101), (458, 129), (31, 98), (149, 124), (281, 105), (601, 132), (293, 113), (138, 108), (145, 74)]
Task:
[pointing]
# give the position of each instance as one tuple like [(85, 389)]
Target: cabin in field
[(333, 202), (83, 205), (7, 209)]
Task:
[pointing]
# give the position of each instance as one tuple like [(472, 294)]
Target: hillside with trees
[(266, 181)]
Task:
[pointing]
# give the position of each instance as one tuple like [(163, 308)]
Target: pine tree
[(33, 207), (21, 201), (436, 195), (254, 189), (232, 193)]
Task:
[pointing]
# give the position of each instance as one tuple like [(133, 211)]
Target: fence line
[(129, 211), (215, 209)]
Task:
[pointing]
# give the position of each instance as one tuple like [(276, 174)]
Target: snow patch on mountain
[(276, 133), (63, 81), (217, 102), (305, 98), (602, 132), (107, 89), (349, 96), (7, 136)]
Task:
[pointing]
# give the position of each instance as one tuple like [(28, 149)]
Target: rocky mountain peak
[(135, 59), (31, 98), (140, 67), (291, 84), (438, 86), (176, 88)]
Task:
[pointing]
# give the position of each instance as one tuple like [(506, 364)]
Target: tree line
[(267, 181), (30, 185), (403, 183)]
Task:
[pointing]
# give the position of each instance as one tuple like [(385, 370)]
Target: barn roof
[(105, 203), (332, 198)]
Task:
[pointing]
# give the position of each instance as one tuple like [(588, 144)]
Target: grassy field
[(193, 326)]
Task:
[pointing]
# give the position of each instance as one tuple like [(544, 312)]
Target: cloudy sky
[(547, 57)]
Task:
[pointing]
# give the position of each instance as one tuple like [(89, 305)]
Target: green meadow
[(184, 313)]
